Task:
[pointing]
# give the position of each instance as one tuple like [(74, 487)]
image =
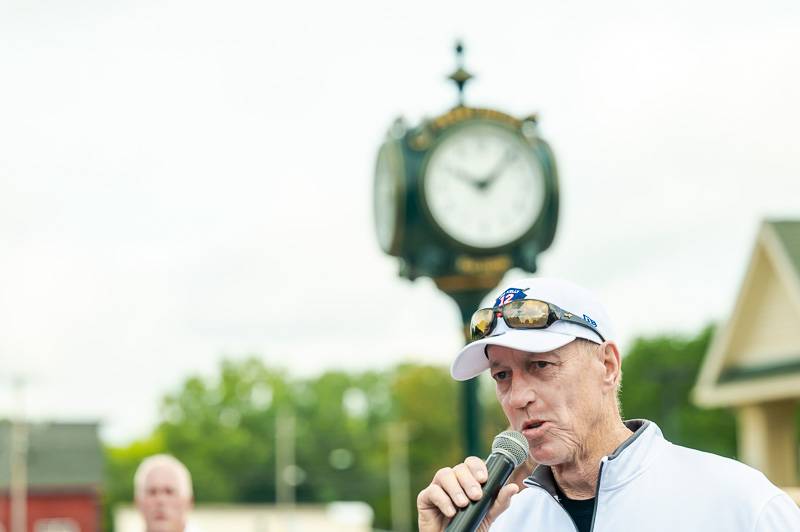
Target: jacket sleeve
[(778, 515)]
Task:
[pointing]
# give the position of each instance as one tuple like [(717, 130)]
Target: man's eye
[(500, 375), (540, 364)]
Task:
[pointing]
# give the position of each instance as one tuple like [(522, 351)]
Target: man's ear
[(608, 352)]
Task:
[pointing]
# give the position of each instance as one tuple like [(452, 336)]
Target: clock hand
[(494, 174), (464, 176)]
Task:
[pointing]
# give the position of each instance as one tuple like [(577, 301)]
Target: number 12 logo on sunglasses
[(510, 295)]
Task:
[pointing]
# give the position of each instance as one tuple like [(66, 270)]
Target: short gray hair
[(162, 460)]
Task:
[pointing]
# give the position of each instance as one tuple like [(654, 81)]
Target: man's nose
[(522, 393)]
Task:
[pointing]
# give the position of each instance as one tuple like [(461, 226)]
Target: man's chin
[(545, 454), (161, 525)]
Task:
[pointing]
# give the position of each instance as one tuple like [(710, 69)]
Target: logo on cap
[(510, 295)]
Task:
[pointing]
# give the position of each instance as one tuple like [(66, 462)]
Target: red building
[(64, 475)]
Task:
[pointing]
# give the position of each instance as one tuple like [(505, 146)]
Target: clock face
[(483, 185), (388, 197)]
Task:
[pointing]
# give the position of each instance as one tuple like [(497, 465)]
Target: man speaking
[(549, 346)]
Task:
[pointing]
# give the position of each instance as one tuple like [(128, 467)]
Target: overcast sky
[(182, 181)]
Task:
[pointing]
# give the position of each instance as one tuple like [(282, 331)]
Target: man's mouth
[(532, 424)]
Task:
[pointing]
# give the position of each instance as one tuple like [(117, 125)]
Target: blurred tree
[(224, 430), (658, 376), (340, 434), (425, 398)]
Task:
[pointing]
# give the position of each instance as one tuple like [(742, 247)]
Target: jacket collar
[(626, 462)]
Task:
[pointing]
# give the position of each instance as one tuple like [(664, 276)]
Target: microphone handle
[(467, 519)]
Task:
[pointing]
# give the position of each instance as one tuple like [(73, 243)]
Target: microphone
[(509, 450)]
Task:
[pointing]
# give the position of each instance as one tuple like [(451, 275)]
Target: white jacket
[(650, 485)]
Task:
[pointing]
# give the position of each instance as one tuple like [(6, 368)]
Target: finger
[(446, 478), (505, 494), (478, 468), (435, 497), (468, 482), (503, 501)]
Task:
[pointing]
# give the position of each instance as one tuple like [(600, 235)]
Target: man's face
[(162, 503), (553, 398)]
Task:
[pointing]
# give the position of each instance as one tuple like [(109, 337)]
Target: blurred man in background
[(163, 493)]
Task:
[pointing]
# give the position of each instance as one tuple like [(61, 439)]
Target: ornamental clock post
[(462, 198)]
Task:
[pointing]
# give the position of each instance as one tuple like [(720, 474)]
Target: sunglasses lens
[(481, 324), (526, 314)]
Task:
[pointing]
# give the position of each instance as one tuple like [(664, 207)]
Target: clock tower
[(462, 198)]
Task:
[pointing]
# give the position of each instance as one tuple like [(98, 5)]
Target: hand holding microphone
[(472, 493)]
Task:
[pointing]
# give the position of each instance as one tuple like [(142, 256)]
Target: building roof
[(60, 455), (788, 233), (755, 356)]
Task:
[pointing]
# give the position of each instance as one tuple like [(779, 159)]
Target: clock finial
[(460, 77)]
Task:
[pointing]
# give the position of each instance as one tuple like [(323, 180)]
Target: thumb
[(502, 502)]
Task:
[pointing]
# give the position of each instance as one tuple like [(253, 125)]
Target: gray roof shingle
[(60, 455)]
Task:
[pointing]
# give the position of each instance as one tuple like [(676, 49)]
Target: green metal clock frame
[(424, 248)]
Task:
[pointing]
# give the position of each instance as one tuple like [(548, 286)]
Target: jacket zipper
[(596, 497), (597, 493)]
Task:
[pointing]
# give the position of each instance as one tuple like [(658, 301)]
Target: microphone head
[(512, 444)]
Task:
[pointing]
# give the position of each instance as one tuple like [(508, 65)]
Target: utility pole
[(284, 459), (19, 461), (399, 482)]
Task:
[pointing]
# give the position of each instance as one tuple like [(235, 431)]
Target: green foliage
[(223, 428), (431, 416), (224, 431), (658, 376)]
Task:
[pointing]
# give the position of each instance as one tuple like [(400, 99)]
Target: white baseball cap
[(473, 360)]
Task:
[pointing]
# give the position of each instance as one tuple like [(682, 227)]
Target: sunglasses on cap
[(523, 314)]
